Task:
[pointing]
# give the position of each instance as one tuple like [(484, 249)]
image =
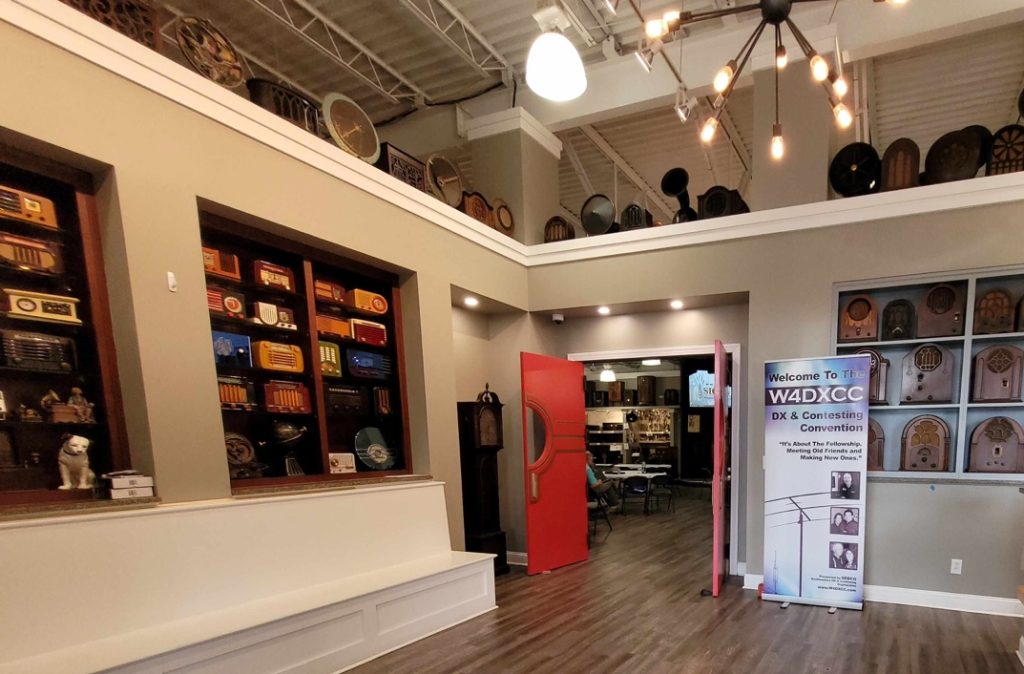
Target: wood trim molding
[(77, 33)]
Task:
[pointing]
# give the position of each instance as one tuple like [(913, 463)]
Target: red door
[(718, 477), (556, 495)]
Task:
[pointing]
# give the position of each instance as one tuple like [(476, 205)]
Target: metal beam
[(365, 66), (598, 140), (489, 61), (577, 166)]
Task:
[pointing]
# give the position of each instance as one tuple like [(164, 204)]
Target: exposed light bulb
[(604, 311), (778, 147), (554, 69), (819, 68), (655, 28), (781, 57), (676, 304), (471, 301), (724, 76), (707, 132), (843, 115), (838, 84)]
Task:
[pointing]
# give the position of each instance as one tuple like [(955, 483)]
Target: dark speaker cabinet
[(480, 440)]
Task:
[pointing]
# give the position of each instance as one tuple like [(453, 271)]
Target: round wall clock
[(502, 217), (208, 51), (444, 180), (350, 128)]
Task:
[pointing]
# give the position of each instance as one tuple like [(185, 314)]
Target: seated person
[(600, 485)]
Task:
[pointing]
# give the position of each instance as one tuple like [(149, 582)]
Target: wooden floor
[(635, 606)]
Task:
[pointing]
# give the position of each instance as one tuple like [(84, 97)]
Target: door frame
[(734, 350)]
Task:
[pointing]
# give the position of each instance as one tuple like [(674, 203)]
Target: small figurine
[(56, 411), (83, 408), (28, 414), (73, 463)]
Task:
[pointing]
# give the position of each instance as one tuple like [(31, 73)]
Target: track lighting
[(655, 28), (838, 84), (819, 67), (724, 76), (707, 133), (645, 52), (843, 115), (685, 104)]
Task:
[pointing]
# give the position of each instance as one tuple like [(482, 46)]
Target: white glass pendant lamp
[(554, 69)]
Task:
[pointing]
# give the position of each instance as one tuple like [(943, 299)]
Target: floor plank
[(635, 606)]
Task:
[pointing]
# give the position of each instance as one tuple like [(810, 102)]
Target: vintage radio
[(997, 446), (32, 306), (901, 165), (273, 315), (236, 393), (345, 400), (858, 321), (993, 313), (368, 365), (646, 390), (928, 375), (997, 374), (286, 397), (671, 396), (898, 320), (224, 302), (941, 312), (278, 357), (232, 350), (382, 401), (879, 376), (34, 351), (366, 302), (273, 275), (330, 359), (925, 444), (615, 390), (876, 446), (598, 399), (288, 104), (475, 206), (368, 332), (219, 263), (28, 254), (332, 325), (26, 207), (629, 397), (137, 19), (405, 167), (326, 291)]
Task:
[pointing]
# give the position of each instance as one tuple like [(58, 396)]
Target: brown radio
[(928, 375), (382, 400), (26, 207), (331, 325), (993, 313), (615, 391), (858, 320), (345, 400), (30, 254), (270, 314), (997, 446), (273, 275), (326, 291), (32, 306), (225, 302), (218, 263), (876, 446), (925, 444), (236, 393), (879, 376), (286, 397), (366, 302), (34, 351), (997, 374), (401, 165), (368, 332), (330, 359), (646, 390), (941, 312), (279, 357), (898, 320)]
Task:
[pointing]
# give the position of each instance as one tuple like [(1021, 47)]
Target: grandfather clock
[(480, 440)]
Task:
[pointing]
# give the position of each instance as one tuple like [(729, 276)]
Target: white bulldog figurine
[(74, 463)]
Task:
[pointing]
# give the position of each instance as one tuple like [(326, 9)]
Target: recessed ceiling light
[(651, 362), (471, 301), (604, 311), (676, 304)]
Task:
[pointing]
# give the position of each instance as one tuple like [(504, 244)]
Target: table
[(635, 473), (641, 466)]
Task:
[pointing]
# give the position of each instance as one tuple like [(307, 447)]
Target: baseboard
[(968, 603), (741, 568), (516, 558)]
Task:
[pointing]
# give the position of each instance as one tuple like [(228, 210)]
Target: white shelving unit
[(962, 415)]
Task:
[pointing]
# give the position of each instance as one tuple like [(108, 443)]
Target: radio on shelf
[(382, 400), (279, 357), (27, 207), (218, 263), (286, 397), (366, 302), (928, 375), (858, 321), (34, 351), (368, 332), (876, 446), (231, 350), (997, 374), (368, 365), (236, 393), (326, 291), (346, 400), (941, 312), (898, 320), (224, 302), (27, 254), (32, 306), (332, 325), (925, 444), (273, 275), (993, 313), (879, 376), (997, 446), (273, 315), (330, 359)]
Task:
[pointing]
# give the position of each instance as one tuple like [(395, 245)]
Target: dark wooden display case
[(328, 430), (32, 476)]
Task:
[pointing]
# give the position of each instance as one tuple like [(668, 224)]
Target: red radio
[(225, 302), (286, 397), (327, 291), (368, 332), (219, 263), (273, 275)]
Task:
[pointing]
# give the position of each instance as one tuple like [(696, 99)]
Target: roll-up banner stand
[(815, 462)]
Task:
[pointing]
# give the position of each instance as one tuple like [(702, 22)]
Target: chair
[(635, 487), (597, 509), (661, 487)]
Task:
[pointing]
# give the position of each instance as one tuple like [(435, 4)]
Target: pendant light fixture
[(608, 374), (554, 69), (776, 14)]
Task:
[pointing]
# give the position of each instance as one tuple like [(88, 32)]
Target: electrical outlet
[(956, 566)]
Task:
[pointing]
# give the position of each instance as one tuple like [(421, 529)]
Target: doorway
[(671, 425)]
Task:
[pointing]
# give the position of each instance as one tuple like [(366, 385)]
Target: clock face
[(351, 129)]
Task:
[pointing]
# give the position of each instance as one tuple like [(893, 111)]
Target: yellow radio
[(33, 306), (366, 302), (27, 207), (278, 357)]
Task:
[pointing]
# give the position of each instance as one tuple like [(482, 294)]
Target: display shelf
[(632, 407), (235, 324), (914, 406), (899, 342), (252, 287), (984, 405), (999, 335)]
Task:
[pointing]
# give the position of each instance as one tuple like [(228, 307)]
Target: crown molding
[(513, 119)]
